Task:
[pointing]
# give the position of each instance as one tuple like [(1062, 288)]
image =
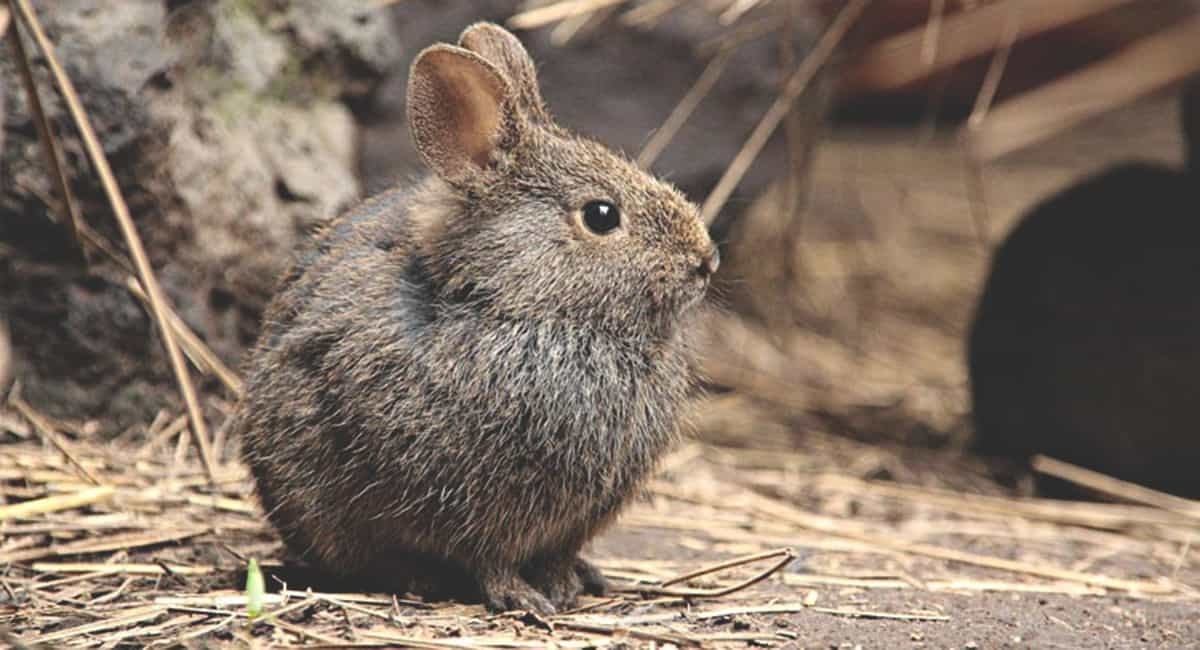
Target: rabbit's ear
[(459, 111), (503, 50)]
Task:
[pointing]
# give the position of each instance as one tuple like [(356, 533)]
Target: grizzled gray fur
[(469, 377)]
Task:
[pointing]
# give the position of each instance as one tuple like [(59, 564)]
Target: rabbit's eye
[(601, 217)]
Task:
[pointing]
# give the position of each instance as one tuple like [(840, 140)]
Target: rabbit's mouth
[(695, 292)]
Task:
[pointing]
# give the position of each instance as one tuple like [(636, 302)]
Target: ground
[(152, 555)]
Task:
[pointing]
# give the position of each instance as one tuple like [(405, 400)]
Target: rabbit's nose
[(710, 261)]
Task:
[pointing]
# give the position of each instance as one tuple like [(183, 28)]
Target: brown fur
[(460, 380)]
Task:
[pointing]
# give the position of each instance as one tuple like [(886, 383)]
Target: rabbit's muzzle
[(709, 262)]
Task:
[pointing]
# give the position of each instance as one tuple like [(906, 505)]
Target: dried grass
[(153, 556)]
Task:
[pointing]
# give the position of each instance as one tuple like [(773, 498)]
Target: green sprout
[(255, 588)]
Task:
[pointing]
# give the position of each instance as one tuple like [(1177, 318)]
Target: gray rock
[(225, 123)]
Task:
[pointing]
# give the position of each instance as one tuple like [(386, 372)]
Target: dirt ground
[(974, 619), (154, 558)]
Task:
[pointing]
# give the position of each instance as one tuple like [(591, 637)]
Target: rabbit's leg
[(504, 589), (555, 576), (594, 582), (563, 576)]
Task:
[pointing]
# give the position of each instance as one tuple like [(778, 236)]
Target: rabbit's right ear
[(499, 46), (459, 111)]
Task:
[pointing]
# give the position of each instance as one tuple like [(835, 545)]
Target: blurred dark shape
[(1086, 343)]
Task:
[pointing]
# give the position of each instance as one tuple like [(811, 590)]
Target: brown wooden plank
[(1148, 65), (896, 61)]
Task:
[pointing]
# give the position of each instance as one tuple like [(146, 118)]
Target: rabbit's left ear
[(459, 111), (500, 48)]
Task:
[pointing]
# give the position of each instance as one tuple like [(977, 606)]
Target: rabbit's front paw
[(594, 582), (558, 580), (505, 591), (565, 578)]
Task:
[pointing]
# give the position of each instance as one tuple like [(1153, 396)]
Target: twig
[(135, 569), (862, 613), (56, 503), (786, 556), (977, 202), (101, 544), (1115, 487), (774, 608), (736, 10), (795, 85), (683, 110), (128, 230), (991, 81), (424, 644), (832, 527), (347, 605), (568, 29), (166, 434), (128, 617), (933, 31), (47, 431), (51, 151), (304, 632), (602, 628), (720, 591), (557, 11), (649, 12), (361, 599), (200, 354), (6, 377)]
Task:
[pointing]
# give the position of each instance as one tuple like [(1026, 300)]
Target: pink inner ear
[(473, 110), (456, 110), (457, 106)]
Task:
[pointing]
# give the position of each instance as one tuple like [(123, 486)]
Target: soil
[(975, 620), (168, 562)]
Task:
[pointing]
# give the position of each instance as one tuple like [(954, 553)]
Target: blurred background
[(860, 163)]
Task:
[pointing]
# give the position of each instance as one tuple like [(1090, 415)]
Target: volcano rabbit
[(471, 376), (1086, 343)]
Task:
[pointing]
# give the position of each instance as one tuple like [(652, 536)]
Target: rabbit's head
[(530, 221)]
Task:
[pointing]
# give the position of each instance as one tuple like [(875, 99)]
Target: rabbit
[(466, 379), (1086, 341)]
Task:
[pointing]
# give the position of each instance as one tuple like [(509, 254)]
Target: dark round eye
[(601, 217)]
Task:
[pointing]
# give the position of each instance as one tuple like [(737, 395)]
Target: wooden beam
[(1143, 67), (896, 61)]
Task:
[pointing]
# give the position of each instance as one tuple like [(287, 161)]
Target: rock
[(226, 125)]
